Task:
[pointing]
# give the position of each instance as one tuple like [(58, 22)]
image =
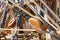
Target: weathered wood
[(47, 15), (19, 29), (32, 15), (50, 10)]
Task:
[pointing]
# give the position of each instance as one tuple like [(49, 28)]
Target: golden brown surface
[(37, 24)]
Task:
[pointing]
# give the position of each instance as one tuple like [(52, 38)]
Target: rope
[(32, 15)]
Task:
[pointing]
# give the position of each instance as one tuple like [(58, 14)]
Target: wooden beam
[(18, 29), (56, 17)]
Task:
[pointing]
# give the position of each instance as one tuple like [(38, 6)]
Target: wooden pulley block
[(38, 24), (9, 17), (35, 22)]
